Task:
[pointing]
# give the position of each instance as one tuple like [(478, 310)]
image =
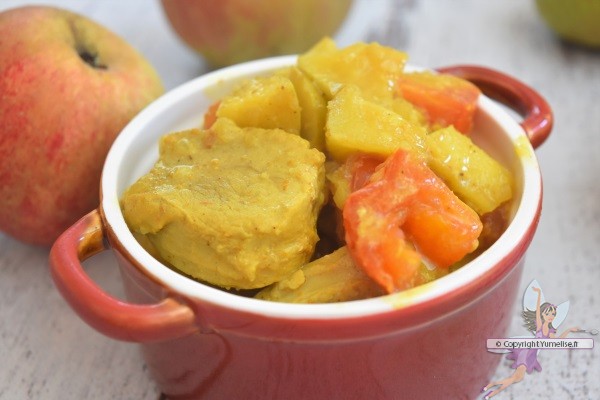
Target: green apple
[(67, 88), (226, 32), (576, 21)]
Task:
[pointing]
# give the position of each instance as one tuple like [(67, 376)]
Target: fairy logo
[(542, 320)]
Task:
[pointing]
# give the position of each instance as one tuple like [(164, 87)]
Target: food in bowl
[(339, 178), (197, 339)]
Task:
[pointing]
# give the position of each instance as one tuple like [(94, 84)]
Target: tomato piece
[(372, 218), (404, 212), (353, 174), (210, 116), (361, 167), (442, 227), (446, 99)]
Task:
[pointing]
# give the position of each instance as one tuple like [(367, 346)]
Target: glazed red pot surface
[(203, 343)]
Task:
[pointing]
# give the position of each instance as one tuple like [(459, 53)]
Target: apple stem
[(91, 59)]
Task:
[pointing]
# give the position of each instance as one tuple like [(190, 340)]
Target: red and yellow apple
[(226, 32), (67, 88)]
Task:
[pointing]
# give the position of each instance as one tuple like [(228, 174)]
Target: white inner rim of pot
[(121, 169)]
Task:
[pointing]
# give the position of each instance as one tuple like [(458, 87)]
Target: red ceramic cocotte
[(202, 343)]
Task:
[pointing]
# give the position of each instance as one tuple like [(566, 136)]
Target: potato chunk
[(473, 175), (313, 106), (265, 102), (329, 279), (234, 207), (374, 68), (355, 125)]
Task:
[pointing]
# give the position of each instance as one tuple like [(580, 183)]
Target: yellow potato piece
[(332, 278), (408, 111), (355, 125), (338, 180), (264, 102), (473, 175), (314, 108), (374, 68)]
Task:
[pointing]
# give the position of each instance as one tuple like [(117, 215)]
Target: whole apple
[(226, 32), (67, 88), (576, 21)]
